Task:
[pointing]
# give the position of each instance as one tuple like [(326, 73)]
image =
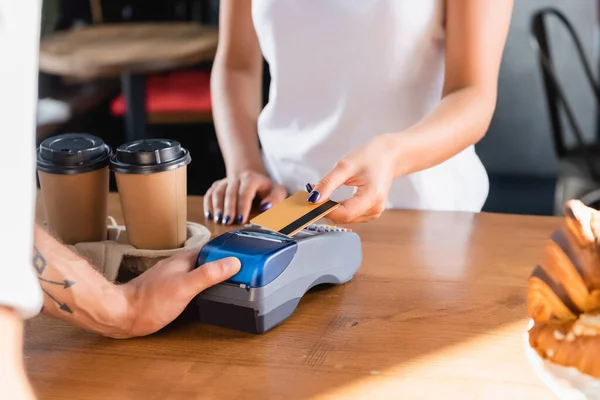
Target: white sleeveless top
[(343, 71)]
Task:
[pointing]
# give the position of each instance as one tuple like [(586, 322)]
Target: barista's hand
[(370, 169), (230, 200), (159, 295)]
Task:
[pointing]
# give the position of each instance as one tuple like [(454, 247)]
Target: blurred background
[(540, 150)]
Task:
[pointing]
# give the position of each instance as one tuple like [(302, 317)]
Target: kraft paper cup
[(74, 176), (151, 178)]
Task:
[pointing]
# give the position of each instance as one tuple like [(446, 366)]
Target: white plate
[(564, 382)]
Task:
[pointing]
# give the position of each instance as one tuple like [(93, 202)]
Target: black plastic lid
[(149, 156), (72, 153)]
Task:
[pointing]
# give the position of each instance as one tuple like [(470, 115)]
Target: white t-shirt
[(343, 71), (19, 39)]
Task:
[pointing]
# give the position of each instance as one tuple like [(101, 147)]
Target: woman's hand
[(230, 200), (371, 169), (158, 296)]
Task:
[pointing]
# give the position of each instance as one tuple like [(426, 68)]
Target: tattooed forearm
[(75, 291), (40, 264)]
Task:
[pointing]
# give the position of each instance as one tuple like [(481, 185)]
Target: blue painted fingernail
[(207, 215), (265, 206), (240, 219), (314, 196), (309, 187), (226, 219), (218, 217)]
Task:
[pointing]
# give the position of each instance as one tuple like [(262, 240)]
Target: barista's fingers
[(208, 211), (342, 172), (208, 275), (230, 202), (249, 186), (370, 215), (276, 195), (364, 202), (218, 197)]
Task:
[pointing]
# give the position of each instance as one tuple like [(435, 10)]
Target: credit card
[(293, 214)]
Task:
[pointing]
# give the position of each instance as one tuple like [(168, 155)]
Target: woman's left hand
[(370, 169)]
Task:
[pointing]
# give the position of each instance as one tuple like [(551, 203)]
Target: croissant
[(563, 296), (574, 343)]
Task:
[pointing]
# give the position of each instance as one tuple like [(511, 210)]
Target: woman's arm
[(236, 87), (476, 33)]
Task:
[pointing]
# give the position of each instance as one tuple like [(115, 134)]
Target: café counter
[(437, 310)]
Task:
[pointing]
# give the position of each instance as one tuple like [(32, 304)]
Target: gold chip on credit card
[(293, 214)]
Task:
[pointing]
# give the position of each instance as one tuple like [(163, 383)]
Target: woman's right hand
[(229, 200)]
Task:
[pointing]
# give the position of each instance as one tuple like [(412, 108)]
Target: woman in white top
[(379, 102)]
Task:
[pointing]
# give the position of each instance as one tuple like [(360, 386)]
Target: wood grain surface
[(111, 50), (436, 311)]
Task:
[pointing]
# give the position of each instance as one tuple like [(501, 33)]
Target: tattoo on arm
[(39, 263), (62, 306)]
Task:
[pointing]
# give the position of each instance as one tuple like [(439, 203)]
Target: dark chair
[(579, 174)]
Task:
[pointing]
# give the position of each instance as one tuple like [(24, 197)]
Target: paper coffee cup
[(151, 178), (74, 177)]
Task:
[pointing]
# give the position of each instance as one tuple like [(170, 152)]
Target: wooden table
[(128, 50), (436, 311)]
